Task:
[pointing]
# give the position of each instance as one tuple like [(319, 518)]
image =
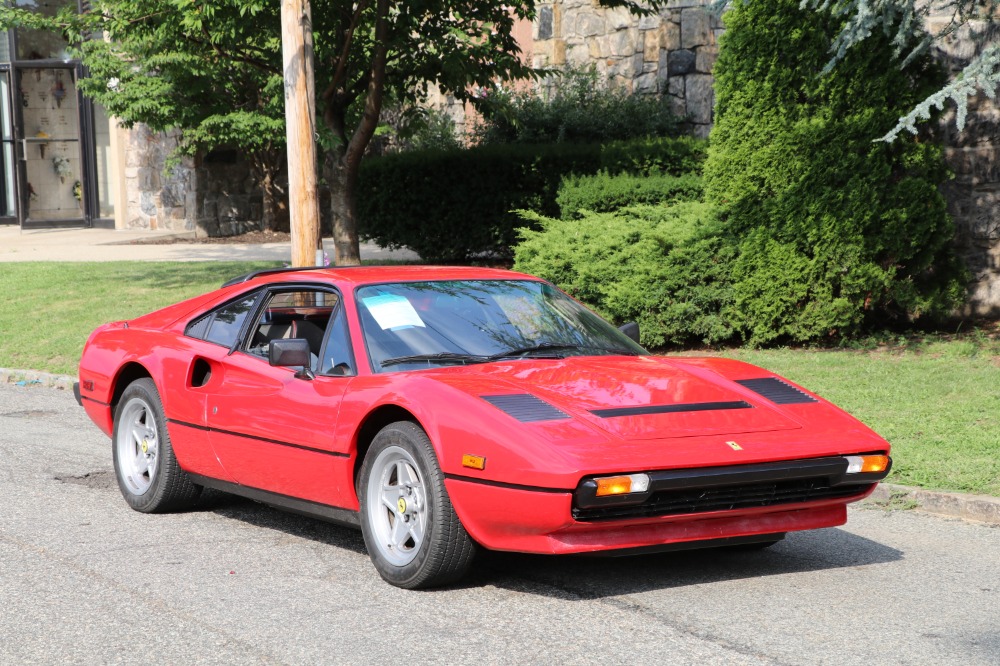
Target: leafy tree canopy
[(219, 67)]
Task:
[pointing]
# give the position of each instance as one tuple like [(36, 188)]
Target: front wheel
[(413, 536), (148, 474)]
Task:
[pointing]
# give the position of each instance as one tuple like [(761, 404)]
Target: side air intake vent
[(525, 407), (776, 390)]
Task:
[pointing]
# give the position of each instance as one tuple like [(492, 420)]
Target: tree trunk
[(343, 189), (266, 167), (269, 202)]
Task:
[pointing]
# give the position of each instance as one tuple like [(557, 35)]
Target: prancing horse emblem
[(734, 446)]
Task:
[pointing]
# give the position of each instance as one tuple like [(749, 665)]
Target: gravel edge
[(979, 508)]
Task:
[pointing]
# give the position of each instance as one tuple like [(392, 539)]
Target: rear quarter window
[(222, 326)]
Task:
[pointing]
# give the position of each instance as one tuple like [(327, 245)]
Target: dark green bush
[(839, 232), (666, 267), (605, 193), (458, 204), (575, 108)]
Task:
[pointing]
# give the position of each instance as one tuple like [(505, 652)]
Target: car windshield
[(428, 324)]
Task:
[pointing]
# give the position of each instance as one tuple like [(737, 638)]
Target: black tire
[(148, 475), (402, 495)]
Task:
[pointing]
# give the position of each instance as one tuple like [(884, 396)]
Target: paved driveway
[(83, 579)]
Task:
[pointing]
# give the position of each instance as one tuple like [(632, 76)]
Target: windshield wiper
[(551, 351), (553, 347), (444, 357)]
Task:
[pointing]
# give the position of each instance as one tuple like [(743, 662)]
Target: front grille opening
[(724, 498)]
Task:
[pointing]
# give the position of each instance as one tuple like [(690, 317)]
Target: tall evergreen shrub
[(837, 231)]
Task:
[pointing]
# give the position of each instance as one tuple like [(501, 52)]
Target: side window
[(337, 355), (198, 327), (301, 313), (223, 325)]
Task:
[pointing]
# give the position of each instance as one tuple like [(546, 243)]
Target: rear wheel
[(148, 474), (413, 536)]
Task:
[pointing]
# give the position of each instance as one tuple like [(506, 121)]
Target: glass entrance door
[(8, 165), (52, 168)]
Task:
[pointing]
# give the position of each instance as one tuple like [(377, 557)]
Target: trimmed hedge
[(666, 267), (455, 205), (605, 193)]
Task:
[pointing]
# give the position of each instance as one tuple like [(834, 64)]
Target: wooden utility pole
[(300, 121)]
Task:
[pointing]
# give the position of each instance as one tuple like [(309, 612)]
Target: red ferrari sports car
[(447, 409)]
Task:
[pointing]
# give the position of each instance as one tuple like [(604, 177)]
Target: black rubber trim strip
[(334, 514), (511, 486), (278, 442), (671, 409), (722, 542), (99, 402), (246, 277)]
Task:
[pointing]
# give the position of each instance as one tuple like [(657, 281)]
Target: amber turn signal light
[(863, 464), (473, 462), (622, 485)]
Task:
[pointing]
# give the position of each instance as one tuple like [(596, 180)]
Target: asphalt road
[(84, 579)]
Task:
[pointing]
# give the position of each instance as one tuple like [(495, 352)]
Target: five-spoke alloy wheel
[(148, 474), (412, 533)]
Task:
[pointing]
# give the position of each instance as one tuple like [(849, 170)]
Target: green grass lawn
[(49, 309), (936, 401)]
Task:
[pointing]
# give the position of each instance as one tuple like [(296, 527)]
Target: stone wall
[(215, 196), (974, 193), (670, 53)]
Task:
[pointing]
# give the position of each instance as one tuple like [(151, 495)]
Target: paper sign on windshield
[(391, 311)]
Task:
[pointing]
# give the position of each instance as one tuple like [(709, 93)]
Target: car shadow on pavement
[(266, 517), (586, 577)]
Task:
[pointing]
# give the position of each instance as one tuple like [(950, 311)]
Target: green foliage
[(605, 193), (576, 108), (838, 232), (459, 204), (167, 64), (406, 127), (971, 23), (666, 267)]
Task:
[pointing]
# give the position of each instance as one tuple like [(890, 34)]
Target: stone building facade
[(213, 196), (670, 53)]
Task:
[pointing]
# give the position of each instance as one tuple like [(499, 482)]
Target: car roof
[(362, 275)]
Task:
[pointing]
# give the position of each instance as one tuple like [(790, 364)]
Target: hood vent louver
[(777, 391), (525, 407)]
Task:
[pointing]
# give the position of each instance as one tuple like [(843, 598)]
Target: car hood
[(635, 398)]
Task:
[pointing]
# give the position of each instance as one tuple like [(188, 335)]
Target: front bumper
[(515, 518), (703, 490)]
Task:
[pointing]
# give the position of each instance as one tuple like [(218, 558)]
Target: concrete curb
[(34, 377), (979, 508)]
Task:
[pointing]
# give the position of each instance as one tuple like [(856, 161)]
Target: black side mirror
[(291, 353), (630, 329)]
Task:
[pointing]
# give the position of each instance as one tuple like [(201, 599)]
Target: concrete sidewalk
[(69, 245)]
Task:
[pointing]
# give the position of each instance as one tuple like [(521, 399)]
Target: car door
[(273, 428)]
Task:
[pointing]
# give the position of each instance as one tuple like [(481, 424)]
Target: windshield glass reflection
[(427, 324)]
